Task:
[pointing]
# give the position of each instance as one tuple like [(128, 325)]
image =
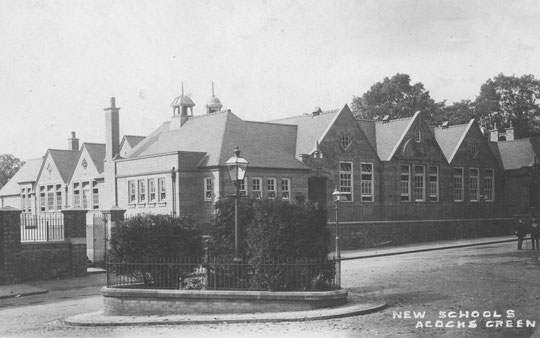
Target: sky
[(61, 61)]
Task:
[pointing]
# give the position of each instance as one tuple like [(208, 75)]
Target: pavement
[(355, 306)]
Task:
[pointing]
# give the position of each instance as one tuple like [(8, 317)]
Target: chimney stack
[(510, 132), (494, 134), (112, 131), (73, 142)]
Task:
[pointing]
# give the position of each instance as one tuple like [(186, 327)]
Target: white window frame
[(58, 197), (51, 195), (489, 185), (42, 200), (458, 184), (23, 199), (208, 187), (95, 195), (418, 135), (434, 184), (152, 190), (346, 182), (242, 187), (474, 185), (405, 184), (271, 189), (256, 188), (85, 195), (420, 184), (366, 181), (286, 189), (76, 194), (132, 192), (162, 189), (141, 191)]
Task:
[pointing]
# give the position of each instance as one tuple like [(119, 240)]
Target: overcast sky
[(61, 61)]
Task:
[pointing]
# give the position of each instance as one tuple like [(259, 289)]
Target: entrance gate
[(96, 240)]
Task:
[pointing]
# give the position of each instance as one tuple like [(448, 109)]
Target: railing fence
[(47, 227)]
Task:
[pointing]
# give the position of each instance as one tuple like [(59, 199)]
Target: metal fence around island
[(47, 227), (291, 274)]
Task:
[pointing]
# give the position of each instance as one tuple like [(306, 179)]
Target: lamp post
[(237, 167), (337, 199)]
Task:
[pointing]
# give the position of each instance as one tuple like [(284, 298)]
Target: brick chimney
[(510, 133), (73, 142), (112, 130), (494, 134)]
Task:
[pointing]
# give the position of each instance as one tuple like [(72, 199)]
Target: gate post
[(113, 216), (10, 244), (75, 234)]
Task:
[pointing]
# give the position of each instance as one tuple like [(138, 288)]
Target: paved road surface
[(484, 278)]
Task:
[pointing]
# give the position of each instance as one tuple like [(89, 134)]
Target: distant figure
[(521, 231), (535, 234)]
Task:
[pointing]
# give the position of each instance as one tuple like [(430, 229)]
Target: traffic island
[(355, 306)]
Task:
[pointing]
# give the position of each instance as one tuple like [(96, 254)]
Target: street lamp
[(337, 199), (237, 167)]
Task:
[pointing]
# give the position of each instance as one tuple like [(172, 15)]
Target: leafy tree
[(397, 98), (460, 112), (9, 165), (510, 99)]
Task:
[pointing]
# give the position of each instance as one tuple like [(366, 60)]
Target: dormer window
[(345, 140), (418, 135)]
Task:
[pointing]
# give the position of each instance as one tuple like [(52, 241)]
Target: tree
[(460, 112), (397, 98), (9, 165), (506, 100)]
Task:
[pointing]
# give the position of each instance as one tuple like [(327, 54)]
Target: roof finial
[(182, 88), (212, 88)]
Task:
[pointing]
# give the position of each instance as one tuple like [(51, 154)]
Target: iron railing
[(46, 227), (298, 274)]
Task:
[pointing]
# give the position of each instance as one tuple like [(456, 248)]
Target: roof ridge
[(50, 149), (515, 140), (133, 136), (269, 122), (453, 126), (328, 111), (394, 120), (206, 115), (93, 143)]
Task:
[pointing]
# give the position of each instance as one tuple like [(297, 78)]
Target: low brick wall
[(137, 302), (49, 260), (358, 235)]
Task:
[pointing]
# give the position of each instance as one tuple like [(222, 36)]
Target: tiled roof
[(27, 173), (451, 137), (311, 128), (516, 154), (65, 161), (368, 127), (132, 140), (495, 151), (97, 153), (268, 145), (390, 134)]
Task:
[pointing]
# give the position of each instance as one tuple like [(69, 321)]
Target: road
[(495, 278)]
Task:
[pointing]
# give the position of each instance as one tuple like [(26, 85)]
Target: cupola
[(213, 105), (181, 104)]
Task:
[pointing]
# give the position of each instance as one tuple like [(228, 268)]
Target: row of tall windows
[(26, 200), (417, 192), (255, 184), (50, 197), (474, 184), (150, 190), (86, 195), (346, 184)]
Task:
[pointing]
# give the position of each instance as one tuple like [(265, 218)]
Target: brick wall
[(372, 234)]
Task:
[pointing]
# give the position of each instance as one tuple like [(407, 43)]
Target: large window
[(58, 197), (95, 195), (433, 184), (42, 200), (208, 188), (405, 186), (489, 184), (256, 187), (132, 192), (85, 195), (473, 184), (271, 188), (26, 200), (458, 184), (419, 183), (366, 184), (50, 198), (346, 181), (142, 191), (162, 189), (151, 190), (76, 195), (285, 188)]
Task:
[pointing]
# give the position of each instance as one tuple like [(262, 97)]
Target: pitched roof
[(311, 128), (268, 145), (451, 137), (390, 134), (27, 173), (65, 161), (516, 154), (368, 127), (97, 154), (132, 140), (496, 153)]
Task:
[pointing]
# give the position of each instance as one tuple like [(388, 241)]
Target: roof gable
[(62, 163), (97, 154), (516, 154), (451, 138), (90, 162), (27, 173), (390, 135)]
